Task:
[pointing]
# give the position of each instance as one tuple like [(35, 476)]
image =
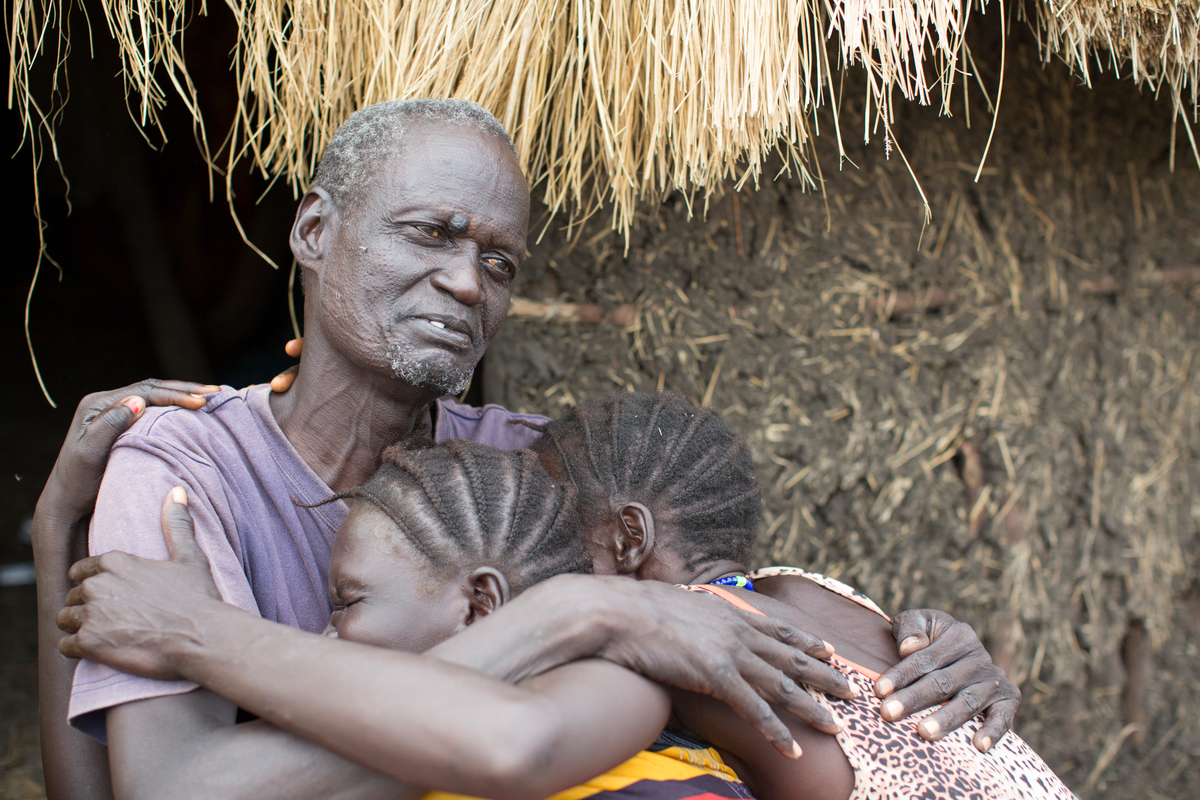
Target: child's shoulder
[(794, 581)]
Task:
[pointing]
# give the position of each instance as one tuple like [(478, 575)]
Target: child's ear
[(635, 537), (487, 590)]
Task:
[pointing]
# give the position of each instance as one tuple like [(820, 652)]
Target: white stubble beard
[(428, 372)]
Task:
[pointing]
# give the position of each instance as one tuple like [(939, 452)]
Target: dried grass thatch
[(610, 100), (607, 99), (1158, 41)]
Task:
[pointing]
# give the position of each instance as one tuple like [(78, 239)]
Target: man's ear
[(315, 220), (487, 590), (635, 537)]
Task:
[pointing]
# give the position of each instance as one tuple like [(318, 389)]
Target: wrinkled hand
[(700, 643), (944, 661), (284, 380), (133, 613)]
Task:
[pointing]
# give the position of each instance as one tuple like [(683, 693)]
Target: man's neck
[(339, 422)]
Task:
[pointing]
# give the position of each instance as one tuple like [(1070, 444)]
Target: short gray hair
[(373, 134)]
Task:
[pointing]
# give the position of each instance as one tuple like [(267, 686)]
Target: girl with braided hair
[(668, 492), (444, 535), (441, 537)]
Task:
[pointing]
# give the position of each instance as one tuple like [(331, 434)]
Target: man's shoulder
[(225, 412), (490, 424), (232, 419)]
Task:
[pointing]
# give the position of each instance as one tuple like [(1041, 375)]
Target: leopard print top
[(892, 762)]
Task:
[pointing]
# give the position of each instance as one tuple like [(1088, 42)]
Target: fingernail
[(909, 644), (931, 727), (883, 687), (837, 722), (796, 751), (200, 397), (178, 495), (893, 709), (135, 404), (985, 743), (828, 647)]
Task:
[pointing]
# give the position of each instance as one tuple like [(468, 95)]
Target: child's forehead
[(367, 527)]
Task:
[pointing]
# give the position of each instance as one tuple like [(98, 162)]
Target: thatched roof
[(1157, 42), (608, 100)]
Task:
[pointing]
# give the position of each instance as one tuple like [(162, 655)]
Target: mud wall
[(994, 413)]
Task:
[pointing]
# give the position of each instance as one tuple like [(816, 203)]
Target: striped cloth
[(673, 768)]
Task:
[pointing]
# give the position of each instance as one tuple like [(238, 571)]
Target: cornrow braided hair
[(460, 502), (680, 461)]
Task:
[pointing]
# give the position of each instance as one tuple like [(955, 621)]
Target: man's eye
[(432, 231), (500, 265)]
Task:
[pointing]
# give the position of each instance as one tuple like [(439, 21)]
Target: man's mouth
[(450, 330)]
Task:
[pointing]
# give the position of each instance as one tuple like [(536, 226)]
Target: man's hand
[(703, 644), (944, 661), (133, 613)]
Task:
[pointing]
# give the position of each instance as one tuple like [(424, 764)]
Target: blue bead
[(736, 581)]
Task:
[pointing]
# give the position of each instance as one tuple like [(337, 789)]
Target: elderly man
[(408, 240)]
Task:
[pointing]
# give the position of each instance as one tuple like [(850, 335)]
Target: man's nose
[(459, 275)]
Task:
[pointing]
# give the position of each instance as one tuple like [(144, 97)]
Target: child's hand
[(284, 380)]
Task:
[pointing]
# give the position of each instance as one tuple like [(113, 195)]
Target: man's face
[(416, 280)]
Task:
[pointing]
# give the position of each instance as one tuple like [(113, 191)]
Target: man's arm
[(412, 717), (75, 765), (160, 619), (187, 747)]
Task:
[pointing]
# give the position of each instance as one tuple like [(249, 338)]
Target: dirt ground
[(20, 756), (995, 414), (1017, 445)]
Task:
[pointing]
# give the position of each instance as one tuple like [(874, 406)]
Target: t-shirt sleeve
[(141, 471)]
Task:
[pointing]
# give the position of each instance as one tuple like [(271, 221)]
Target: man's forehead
[(456, 170), (446, 144)]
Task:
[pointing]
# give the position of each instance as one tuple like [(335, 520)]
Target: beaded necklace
[(736, 581)]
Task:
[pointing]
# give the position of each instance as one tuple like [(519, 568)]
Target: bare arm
[(673, 637), (76, 766), (411, 717), (186, 747)]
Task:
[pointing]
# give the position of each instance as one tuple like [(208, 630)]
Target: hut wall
[(995, 415)]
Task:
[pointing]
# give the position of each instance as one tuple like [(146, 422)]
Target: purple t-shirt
[(243, 478)]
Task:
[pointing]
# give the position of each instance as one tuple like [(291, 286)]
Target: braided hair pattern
[(682, 462), (459, 502)]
